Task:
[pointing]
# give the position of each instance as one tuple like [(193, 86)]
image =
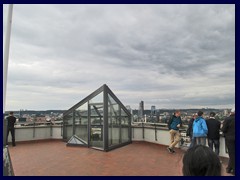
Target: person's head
[(200, 160), (212, 114), (194, 116), (177, 113), (200, 113), (11, 113)]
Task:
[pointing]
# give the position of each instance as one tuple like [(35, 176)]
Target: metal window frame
[(106, 91)]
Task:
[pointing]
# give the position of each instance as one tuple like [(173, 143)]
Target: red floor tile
[(54, 158)]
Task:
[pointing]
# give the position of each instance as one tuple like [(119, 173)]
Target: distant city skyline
[(136, 110), (169, 56)]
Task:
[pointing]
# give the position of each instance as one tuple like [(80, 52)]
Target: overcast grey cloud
[(171, 56)]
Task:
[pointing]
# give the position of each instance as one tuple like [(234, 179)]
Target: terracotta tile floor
[(54, 158)]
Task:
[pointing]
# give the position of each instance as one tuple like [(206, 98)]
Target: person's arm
[(204, 125), (207, 123)]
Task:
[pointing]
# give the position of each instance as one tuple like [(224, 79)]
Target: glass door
[(96, 125)]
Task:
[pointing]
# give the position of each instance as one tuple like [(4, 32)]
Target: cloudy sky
[(170, 56)]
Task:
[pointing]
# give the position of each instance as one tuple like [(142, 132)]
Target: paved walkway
[(54, 158)]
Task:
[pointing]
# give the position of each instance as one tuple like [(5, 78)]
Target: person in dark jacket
[(10, 127), (173, 125), (213, 132), (229, 132), (190, 131)]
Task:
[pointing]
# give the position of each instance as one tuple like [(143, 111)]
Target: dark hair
[(200, 113), (11, 113), (212, 114), (200, 160)]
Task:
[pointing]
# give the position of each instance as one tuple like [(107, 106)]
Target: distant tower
[(153, 110), (20, 113), (141, 109)]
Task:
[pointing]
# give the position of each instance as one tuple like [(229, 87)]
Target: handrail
[(147, 132)]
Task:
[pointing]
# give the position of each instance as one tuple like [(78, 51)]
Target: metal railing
[(150, 132), (155, 126), (25, 131)]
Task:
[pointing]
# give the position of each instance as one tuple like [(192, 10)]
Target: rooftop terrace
[(54, 158)]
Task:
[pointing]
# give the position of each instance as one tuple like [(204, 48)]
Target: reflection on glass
[(96, 119), (68, 125), (97, 99), (125, 126), (81, 114), (81, 122), (124, 118), (113, 122)]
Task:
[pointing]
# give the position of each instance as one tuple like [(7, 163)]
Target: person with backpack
[(174, 124)]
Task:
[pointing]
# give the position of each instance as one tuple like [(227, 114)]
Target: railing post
[(143, 130), (62, 129), (155, 131), (132, 131), (51, 130), (34, 129)]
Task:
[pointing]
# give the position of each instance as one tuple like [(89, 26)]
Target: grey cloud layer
[(173, 56)]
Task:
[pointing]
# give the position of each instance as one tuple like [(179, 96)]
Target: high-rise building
[(141, 109), (153, 110)]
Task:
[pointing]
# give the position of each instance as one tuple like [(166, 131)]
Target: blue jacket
[(173, 122), (200, 127)]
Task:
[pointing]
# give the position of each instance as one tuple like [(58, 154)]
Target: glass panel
[(97, 99), (113, 122), (124, 118), (96, 118), (81, 122), (75, 140), (68, 125), (125, 126)]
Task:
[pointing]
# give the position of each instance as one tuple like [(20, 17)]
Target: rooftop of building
[(54, 158)]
